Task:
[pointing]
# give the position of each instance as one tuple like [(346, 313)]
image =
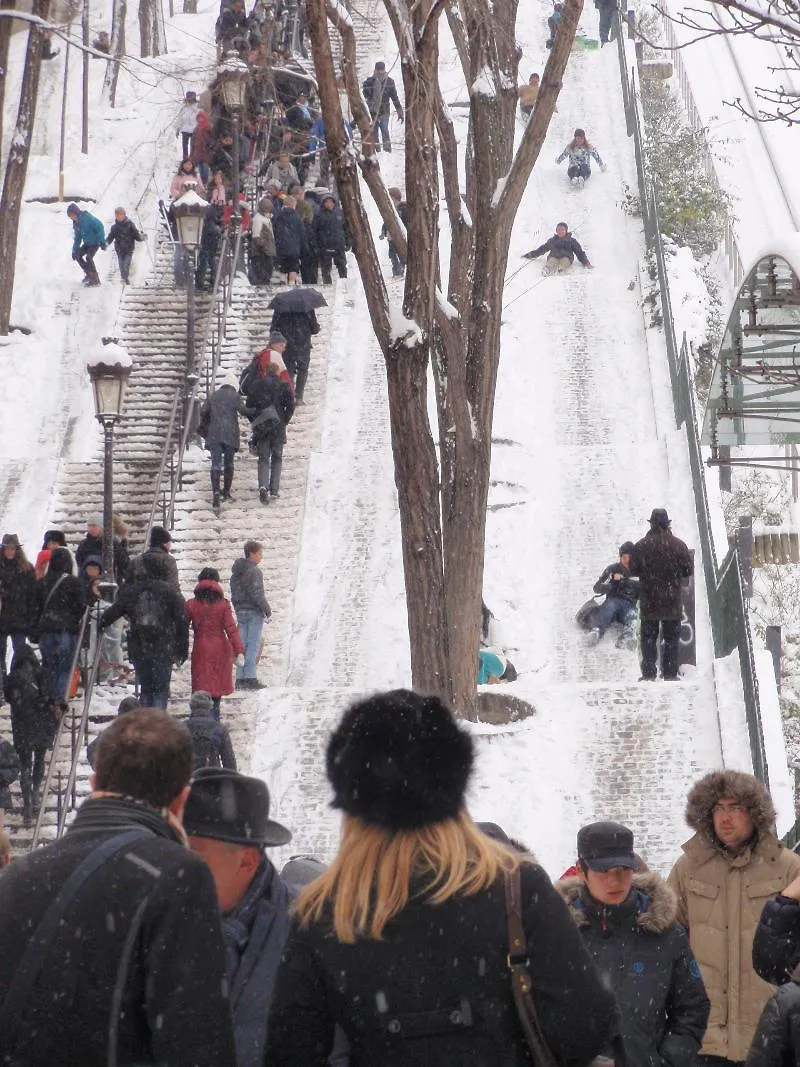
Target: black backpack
[(149, 621)]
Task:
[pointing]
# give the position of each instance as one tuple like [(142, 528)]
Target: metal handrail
[(54, 753), (78, 740)]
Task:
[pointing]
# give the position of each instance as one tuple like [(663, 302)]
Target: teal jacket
[(88, 231)]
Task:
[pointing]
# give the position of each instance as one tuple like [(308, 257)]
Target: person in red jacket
[(216, 638)]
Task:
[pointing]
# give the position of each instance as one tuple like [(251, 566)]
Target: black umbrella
[(298, 298)]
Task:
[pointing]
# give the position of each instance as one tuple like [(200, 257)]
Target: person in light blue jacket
[(89, 236), (580, 151)]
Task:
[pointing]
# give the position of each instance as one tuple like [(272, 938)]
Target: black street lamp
[(109, 371), (234, 77), (190, 213)]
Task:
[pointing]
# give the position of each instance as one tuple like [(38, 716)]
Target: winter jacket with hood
[(60, 599), (720, 900), (88, 230), (290, 234), (565, 247), (124, 236), (173, 1007), (643, 956), (776, 946), (156, 563), (328, 227), (223, 415), (211, 741), (93, 546), (442, 970), (661, 561), (216, 639), (17, 596), (777, 1039), (157, 615), (247, 588), (264, 393), (298, 327), (33, 724), (623, 588)]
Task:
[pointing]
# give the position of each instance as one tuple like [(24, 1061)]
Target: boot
[(227, 483), (27, 797), (215, 497)]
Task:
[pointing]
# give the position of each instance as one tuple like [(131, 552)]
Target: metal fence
[(730, 624)]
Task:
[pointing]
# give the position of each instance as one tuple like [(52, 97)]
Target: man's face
[(257, 556), (625, 559), (608, 887), (561, 231), (119, 216), (233, 868), (93, 530), (732, 823)]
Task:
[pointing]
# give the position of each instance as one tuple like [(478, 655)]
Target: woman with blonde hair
[(403, 942)]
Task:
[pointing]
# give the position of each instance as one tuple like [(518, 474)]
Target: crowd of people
[(430, 938)]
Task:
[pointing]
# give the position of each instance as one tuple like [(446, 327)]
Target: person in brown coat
[(729, 869), (660, 561)]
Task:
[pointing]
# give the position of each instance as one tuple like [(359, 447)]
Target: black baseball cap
[(605, 845)]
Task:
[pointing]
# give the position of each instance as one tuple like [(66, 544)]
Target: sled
[(586, 615)]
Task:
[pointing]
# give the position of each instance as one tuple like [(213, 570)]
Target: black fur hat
[(399, 760)]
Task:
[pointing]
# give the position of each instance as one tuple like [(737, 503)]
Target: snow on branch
[(445, 306), (402, 330), (484, 85), (499, 189)]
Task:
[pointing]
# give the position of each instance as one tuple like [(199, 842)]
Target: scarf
[(237, 925), (264, 359)]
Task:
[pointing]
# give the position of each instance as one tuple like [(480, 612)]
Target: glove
[(557, 160), (528, 255), (103, 246), (239, 661)]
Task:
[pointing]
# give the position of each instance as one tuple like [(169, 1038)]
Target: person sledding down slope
[(562, 248), (580, 151)]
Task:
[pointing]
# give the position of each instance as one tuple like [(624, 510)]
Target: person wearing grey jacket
[(211, 741), (251, 607), (219, 426)]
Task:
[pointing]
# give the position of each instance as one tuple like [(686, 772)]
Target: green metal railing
[(730, 624)]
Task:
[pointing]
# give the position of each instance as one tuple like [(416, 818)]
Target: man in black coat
[(269, 405), (561, 251), (219, 427), (629, 924), (227, 820), (290, 239), (661, 561), (92, 545), (331, 239), (622, 593), (17, 598), (298, 327), (776, 945), (379, 92), (133, 969), (160, 551), (159, 628)]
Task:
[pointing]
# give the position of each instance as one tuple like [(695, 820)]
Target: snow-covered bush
[(760, 494)]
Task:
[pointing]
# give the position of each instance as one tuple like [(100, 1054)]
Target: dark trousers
[(206, 266), (380, 125), (124, 259), (309, 264), (579, 170), (186, 142), (332, 255), (58, 650), (154, 675), (222, 456), (606, 18), (260, 267), (85, 260), (270, 462), (397, 261), (17, 640), (670, 639)]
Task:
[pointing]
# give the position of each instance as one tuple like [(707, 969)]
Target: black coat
[(174, 1007), (661, 561), (379, 95), (445, 960), (560, 248), (157, 614), (156, 563), (124, 235), (776, 945), (289, 233), (262, 393), (59, 610), (9, 765), (211, 741), (93, 546), (624, 588), (17, 597), (223, 417), (643, 955), (298, 327), (329, 231), (776, 1042), (33, 724)]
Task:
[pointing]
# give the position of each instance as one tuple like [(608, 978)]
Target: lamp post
[(109, 371), (190, 214), (234, 76)]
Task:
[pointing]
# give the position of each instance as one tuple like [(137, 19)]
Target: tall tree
[(17, 164), (119, 13), (5, 37), (453, 328)]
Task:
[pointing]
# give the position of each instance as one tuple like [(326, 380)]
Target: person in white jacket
[(187, 121)]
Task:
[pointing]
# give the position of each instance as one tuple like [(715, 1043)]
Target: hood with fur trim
[(660, 908), (743, 788)]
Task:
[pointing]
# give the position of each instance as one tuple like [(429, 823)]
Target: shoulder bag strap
[(49, 596), (39, 945), (521, 984)]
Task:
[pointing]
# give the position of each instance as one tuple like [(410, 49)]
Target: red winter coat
[(216, 640)]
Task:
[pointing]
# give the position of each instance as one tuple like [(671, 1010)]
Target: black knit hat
[(399, 760), (627, 548), (159, 537), (227, 806)]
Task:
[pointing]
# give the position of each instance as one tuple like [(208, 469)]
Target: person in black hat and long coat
[(403, 942), (629, 924), (227, 820), (660, 561), (134, 973)]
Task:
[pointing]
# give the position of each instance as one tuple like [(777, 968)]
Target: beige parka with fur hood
[(720, 900)]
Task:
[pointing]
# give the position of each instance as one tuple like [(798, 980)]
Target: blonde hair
[(369, 881)]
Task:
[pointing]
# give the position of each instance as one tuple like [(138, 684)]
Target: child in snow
[(553, 22), (187, 121), (579, 150), (124, 234), (88, 237), (562, 249), (397, 261)]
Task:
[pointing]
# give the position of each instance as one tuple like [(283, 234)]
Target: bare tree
[(453, 328), (6, 26), (118, 16), (17, 164), (777, 25), (145, 28)]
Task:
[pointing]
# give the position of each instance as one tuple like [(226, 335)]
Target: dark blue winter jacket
[(560, 248), (88, 231), (290, 239), (776, 945)]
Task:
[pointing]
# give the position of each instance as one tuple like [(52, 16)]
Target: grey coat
[(211, 741), (247, 588), (223, 425)]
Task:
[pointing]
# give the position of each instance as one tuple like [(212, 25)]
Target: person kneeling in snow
[(622, 594), (562, 248)]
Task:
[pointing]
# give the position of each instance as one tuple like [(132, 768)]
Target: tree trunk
[(17, 165), (145, 28), (159, 32), (119, 14), (5, 36)]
